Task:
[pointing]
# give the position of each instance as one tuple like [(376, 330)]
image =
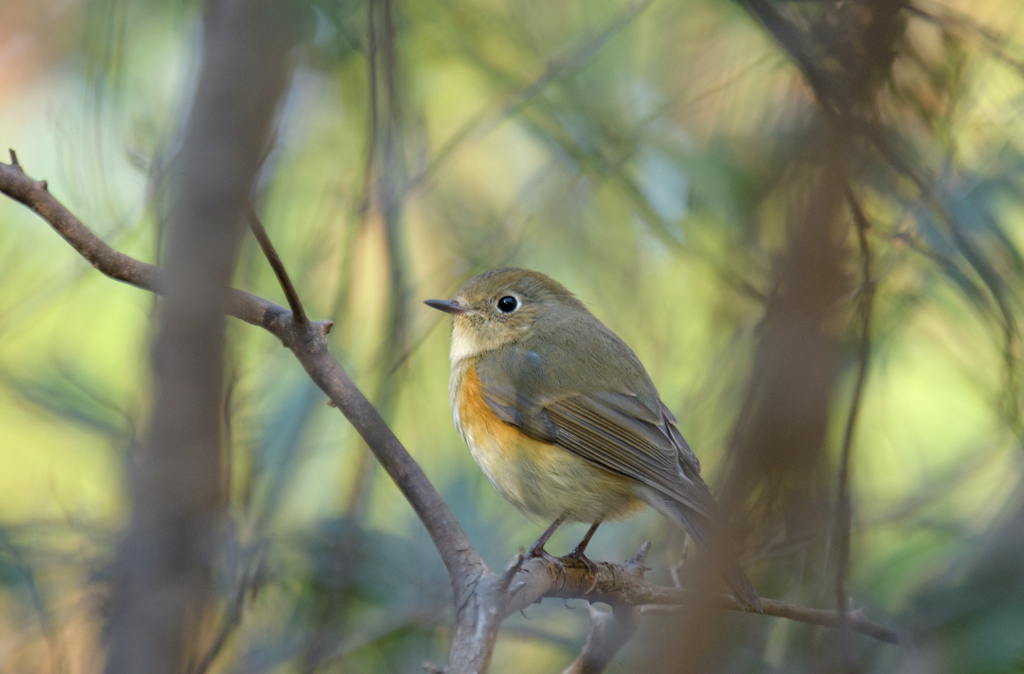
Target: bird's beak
[(448, 306)]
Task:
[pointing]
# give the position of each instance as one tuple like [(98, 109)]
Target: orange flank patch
[(483, 424)]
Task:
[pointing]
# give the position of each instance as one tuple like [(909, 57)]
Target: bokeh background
[(651, 156)]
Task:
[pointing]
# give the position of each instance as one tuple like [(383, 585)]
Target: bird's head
[(501, 307)]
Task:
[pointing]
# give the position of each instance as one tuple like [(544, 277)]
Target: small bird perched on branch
[(562, 417)]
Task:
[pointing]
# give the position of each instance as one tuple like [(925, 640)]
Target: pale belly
[(541, 480), (546, 482)]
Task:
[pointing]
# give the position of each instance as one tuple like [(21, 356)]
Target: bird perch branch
[(482, 598)]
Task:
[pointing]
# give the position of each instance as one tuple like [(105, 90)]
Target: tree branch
[(307, 342), (624, 585), (609, 632)]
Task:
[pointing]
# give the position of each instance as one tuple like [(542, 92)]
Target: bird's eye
[(508, 304)]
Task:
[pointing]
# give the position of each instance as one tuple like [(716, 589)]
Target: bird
[(563, 419)]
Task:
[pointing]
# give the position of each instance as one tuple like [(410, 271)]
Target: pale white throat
[(466, 342)]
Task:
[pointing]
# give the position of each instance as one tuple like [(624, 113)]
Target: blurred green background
[(646, 155)]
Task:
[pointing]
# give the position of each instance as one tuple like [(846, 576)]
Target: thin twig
[(967, 247), (954, 22), (275, 263), (390, 191), (232, 617), (490, 115), (866, 296)]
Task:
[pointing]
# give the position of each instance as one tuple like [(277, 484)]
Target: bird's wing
[(612, 430)]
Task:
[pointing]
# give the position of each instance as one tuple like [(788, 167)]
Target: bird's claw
[(539, 551), (578, 555)]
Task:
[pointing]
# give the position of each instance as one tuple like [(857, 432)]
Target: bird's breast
[(537, 477)]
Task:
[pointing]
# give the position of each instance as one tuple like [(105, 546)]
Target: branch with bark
[(483, 598)]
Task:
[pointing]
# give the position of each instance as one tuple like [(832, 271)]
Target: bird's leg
[(537, 549), (577, 553)]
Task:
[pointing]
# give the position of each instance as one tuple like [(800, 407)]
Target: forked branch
[(305, 340)]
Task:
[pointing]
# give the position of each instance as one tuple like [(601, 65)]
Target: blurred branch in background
[(388, 185), (865, 303), (164, 566), (489, 117), (778, 450), (609, 632)]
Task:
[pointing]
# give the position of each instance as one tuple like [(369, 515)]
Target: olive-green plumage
[(593, 436)]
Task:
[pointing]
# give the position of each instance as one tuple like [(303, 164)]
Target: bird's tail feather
[(699, 526)]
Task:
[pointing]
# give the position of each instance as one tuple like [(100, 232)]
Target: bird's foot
[(578, 555), (539, 551)]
